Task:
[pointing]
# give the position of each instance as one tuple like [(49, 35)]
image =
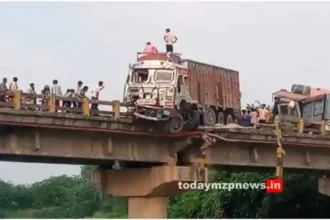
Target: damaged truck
[(179, 94)]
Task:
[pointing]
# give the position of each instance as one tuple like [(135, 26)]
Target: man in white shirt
[(96, 94), (13, 85), (170, 39), (79, 85), (56, 90), (77, 92)]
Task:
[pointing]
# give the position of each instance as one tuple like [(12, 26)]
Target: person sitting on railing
[(150, 49), (96, 94), (79, 85), (68, 94), (56, 90), (30, 100), (45, 92), (3, 90), (82, 94)]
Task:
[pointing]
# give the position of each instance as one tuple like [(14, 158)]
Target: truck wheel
[(230, 119), (221, 118), (209, 117), (194, 121), (175, 124)]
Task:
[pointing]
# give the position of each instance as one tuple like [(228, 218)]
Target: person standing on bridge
[(254, 117), (246, 120), (13, 87), (3, 90), (82, 94), (77, 92), (263, 114), (45, 93), (96, 95), (56, 90), (170, 39)]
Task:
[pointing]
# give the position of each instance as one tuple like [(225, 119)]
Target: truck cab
[(155, 86)]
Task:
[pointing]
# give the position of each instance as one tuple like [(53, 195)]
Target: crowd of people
[(55, 89), (169, 39), (252, 116)]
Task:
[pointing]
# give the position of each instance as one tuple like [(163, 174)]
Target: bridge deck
[(82, 138)]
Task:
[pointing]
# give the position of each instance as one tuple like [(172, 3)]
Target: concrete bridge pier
[(147, 189), (147, 207)]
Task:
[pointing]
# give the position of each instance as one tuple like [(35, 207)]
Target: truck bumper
[(150, 118)]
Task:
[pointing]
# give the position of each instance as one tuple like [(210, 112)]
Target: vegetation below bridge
[(74, 197)]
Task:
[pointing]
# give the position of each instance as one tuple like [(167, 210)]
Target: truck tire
[(221, 118), (174, 125), (209, 117), (229, 119), (194, 121)]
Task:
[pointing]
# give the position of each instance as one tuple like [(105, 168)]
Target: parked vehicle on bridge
[(304, 102), (181, 94)]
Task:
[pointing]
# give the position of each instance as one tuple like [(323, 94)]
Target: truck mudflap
[(138, 115)]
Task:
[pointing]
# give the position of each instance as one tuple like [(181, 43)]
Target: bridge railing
[(51, 103)]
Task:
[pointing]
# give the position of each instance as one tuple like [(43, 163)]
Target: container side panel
[(214, 85)]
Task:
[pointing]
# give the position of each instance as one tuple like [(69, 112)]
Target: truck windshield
[(140, 76), (164, 76)]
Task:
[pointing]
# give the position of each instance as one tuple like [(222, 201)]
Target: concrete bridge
[(154, 162)]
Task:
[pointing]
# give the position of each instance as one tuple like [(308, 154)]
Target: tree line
[(75, 197)]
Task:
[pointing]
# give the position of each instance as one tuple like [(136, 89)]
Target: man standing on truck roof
[(170, 39)]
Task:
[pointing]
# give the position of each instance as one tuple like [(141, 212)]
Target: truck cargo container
[(181, 93), (215, 86)]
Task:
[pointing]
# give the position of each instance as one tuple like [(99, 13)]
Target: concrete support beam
[(256, 155), (82, 147), (147, 189), (147, 207), (159, 181)]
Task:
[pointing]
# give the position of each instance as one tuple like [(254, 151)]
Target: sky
[(272, 44)]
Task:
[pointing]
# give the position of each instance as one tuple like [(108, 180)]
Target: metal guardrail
[(22, 101)]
